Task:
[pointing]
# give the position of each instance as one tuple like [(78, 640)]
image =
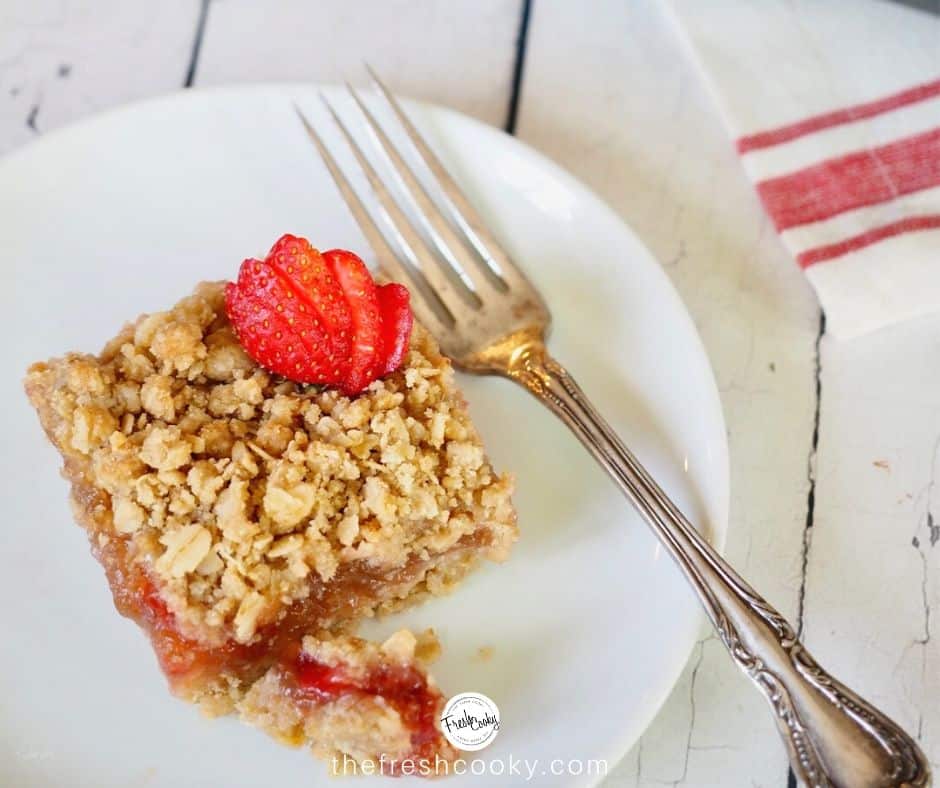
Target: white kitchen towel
[(834, 106)]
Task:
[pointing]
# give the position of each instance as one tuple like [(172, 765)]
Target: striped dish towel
[(835, 108)]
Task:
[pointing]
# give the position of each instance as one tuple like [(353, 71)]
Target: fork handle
[(833, 737)]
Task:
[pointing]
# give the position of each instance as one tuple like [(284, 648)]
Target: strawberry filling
[(403, 687), (186, 662), (190, 665)]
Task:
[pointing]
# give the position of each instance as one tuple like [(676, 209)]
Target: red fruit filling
[(403, 687), (192, 666)]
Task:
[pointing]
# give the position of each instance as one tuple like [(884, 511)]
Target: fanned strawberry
[(397, 320), (262, 280), (303, 268), (318, 318), (358, 289), (272, 330)]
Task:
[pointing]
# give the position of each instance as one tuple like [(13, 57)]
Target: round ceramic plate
[(578, 638)]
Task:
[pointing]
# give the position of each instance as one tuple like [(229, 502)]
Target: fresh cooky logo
[(470, 721)]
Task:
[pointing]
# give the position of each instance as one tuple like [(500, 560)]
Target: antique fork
[(490, 320)]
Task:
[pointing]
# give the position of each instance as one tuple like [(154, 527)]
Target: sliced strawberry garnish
[(303, 268), (359, 290), (318, 318), (397, 320), (327, 355), (274, 332)]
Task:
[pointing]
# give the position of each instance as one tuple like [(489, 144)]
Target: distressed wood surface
[(457, 54), (61, 60), (638, 127), (873, 553), (835, 511)]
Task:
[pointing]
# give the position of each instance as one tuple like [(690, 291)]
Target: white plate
[(590, 623)]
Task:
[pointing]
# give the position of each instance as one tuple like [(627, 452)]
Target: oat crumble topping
[(234, 487)]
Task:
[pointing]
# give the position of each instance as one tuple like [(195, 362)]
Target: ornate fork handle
[(834, 737)]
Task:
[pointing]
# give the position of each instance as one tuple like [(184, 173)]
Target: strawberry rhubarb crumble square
[(254, 483)]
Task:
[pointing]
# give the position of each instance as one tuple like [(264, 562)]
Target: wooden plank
[(458, 54), (63, 59), (620, 106), (873, 581)]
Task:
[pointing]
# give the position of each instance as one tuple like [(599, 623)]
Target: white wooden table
[(834, 447)]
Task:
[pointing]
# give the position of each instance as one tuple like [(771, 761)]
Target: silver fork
[(490, 320)]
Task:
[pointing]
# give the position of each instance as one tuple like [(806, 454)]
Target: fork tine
[(409, 240), (388, 260), (464, 263), (375, 238), (504, 270)]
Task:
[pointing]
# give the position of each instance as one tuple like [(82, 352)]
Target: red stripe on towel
[(792, 131), (831, 251), (854, 180)]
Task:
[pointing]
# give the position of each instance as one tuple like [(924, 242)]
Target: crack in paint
[(692, 680), (933, 535), (190, 78), (810, 498), (933, 528), (678, 257), (518, 67), (811, 478), (923, 592), (31, 119)]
